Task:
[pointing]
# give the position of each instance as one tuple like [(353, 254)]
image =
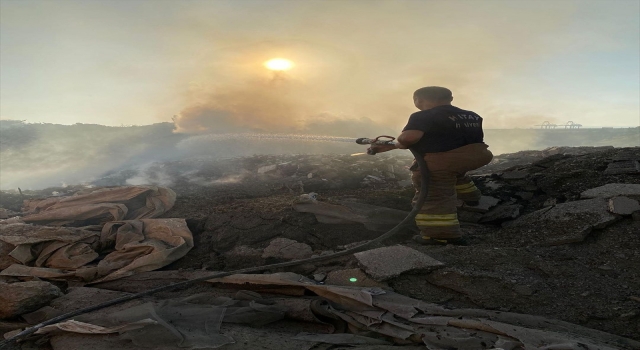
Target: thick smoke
[(280, 104), (356, 67)]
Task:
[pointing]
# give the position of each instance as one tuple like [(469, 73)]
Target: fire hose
[(380, 140)]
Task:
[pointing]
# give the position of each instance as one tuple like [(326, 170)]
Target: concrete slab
[(486, 203), (623, 205), (563, 223), (623, 167), (288, 249), (613, 190), (388, 262), (501, 214)]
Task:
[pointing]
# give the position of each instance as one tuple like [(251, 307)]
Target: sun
[(278, 64)]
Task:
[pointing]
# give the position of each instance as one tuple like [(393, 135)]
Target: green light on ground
[(353, 279)]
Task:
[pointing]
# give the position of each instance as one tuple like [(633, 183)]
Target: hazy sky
[(516, 63)]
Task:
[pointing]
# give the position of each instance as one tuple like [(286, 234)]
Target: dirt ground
[(593, 283)]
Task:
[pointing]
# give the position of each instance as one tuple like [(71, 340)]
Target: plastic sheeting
[(360, 315), (100, 205), (375, 312), (193, 322), (130, 246)]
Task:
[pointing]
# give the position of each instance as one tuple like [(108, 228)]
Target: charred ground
[(237, 206)]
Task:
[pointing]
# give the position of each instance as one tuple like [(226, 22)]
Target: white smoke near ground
[(353, 77), (75, 154), (151, 173), (80, 153)]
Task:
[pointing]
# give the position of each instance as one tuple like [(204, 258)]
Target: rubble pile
[(552, 261), (296, 173)]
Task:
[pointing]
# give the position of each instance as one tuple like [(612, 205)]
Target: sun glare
[(278, 64)]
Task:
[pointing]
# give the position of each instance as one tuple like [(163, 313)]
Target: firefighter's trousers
[(448, 182)]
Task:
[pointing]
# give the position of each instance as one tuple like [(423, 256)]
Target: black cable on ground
[(423, 194)]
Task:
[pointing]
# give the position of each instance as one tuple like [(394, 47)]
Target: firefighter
[(452, 142)]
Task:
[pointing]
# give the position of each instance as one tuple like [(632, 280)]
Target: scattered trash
[(239, 214), (99, 205)]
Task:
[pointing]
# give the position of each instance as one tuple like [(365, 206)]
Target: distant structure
[(547, 125), (568, 125), (572, 125)]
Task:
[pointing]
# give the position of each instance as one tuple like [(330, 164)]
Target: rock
[(525, 195), (388, 262), (623, 205), (267, 168), (486, 203), (23, 297), (515, 175), (564, 223), (501, 213), (623, 167), (351, 277), (242, 256), (636, 216), (613, 190), (284, 248), (319, 277)]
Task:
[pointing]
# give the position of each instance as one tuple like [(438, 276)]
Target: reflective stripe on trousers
[(432, 220), (438, 217), (466, 188)]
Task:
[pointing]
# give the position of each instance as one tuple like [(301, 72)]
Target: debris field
[(553, 258)]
